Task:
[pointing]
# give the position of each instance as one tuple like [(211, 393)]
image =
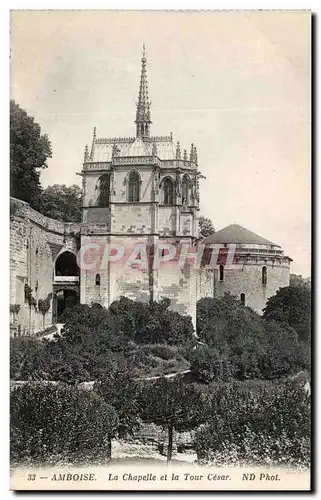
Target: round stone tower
[(259, 267)]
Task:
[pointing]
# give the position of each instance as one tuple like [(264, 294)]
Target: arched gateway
[(65, 285)]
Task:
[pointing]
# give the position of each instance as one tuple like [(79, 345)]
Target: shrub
[(270, 426), (23, 352), (242, 345), (59, 421), (152, 323), (163, 351), (209, 365)]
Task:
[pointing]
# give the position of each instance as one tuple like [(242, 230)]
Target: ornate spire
[(191, 155), (178, 151), (93, 145), (143, 119), (86, 154), (185, 155), (154, 149), (195, 155)]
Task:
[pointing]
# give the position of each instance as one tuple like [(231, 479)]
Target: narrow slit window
[(221, 273)]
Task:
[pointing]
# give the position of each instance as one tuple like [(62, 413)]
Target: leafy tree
[(298, 280), (239, 344), (29, 151), (291, 305), (62, 202), (152, 323), (209, 364), (205, 226), (89, 347), (283, 353), (122, 393), (174, 405), (96, 342)]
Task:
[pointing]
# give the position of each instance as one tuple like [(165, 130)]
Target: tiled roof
[(237, 234)]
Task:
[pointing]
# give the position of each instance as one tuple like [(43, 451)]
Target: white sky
[(237, 84)]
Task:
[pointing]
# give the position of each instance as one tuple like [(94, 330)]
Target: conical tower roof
[(238, 235)]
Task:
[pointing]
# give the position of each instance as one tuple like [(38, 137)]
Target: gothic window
[(133, 187), (185, 190), (221, 273), (243, 299), (104, 191), (168, 187), (264, 275), (97, 280)]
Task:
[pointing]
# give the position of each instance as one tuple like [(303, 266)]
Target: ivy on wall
[(14, 308), (44, 304), (29, 297)]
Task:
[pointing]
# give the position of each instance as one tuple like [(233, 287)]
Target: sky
[(236, 84)]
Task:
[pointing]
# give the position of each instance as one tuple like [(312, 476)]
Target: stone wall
[(132, 280), (35, 242), (247, 279)]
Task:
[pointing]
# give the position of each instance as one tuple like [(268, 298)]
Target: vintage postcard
[(160, 250)]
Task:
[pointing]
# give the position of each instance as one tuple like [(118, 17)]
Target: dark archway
[(63, 299), (66, 265)]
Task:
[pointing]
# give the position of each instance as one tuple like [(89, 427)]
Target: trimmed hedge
[(268, 426), (59, 422)]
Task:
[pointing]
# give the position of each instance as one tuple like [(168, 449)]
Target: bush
[(242, 345), (23, 352), (270, 426), (59, 421), (152, 323), (209, 365), (163, 351)]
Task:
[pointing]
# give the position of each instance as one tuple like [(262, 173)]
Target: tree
[(209, 364), (62, 202), (122, 393), (291, 305), (152, 323), (29, 151), (298, 280), (239, 344), (206, 227), (174, 405), (95, 343)]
